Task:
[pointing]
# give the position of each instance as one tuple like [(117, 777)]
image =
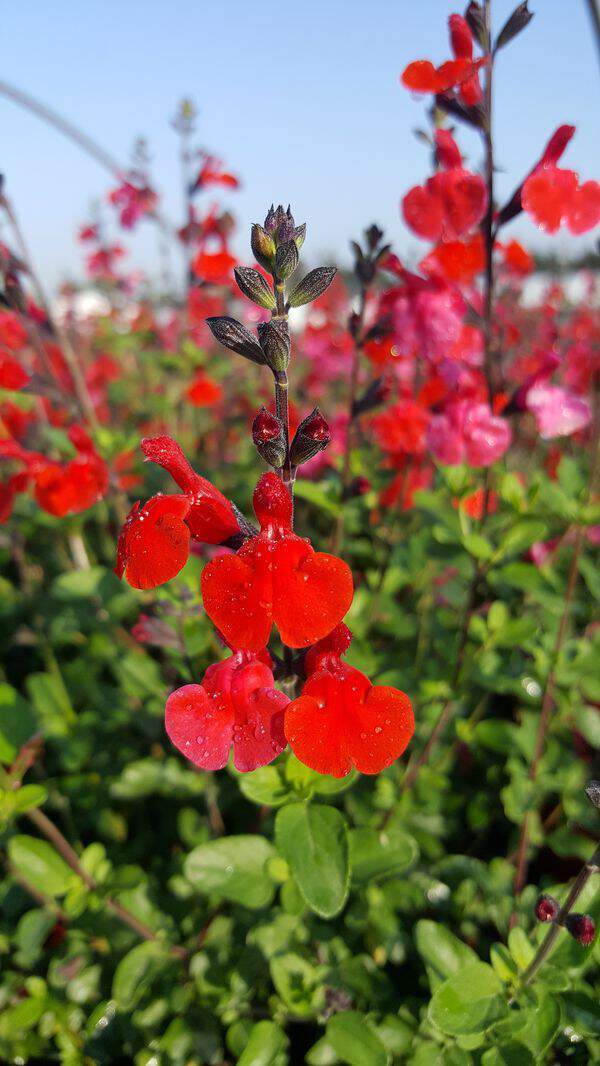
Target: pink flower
[(557, 412), (468, 433)]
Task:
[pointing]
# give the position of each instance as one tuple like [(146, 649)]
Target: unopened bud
[(286, 259), (274, 340), (299, 235), (268, 435), (253, 285), (546, 909), (581, 927), (312, 285), (312, 436), (231, 334), (373, 235), (263, 246), (359, 486)]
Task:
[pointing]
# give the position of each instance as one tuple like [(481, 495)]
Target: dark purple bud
[(274, 337), (231, 334), (373, 235), (476, 21), (286, 259), (520, 18), (271, 220), (592, 792), (268, 435), (313, 285), (546, 909), (312, 436), (253, 285), (581, 927), (263, 246), (376, 394), (359, 486)]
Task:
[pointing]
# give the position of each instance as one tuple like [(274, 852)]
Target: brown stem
[(591, 867), (53, 834), (488, 222)]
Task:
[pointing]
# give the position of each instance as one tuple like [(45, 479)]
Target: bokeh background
[(302, 101)]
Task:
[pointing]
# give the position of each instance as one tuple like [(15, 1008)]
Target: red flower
[(12, 333), (276, 577), (341, 720), (70, 488), (461, 39), (203, 391), (211, 517), (236, 705), (461, 73), (401, 428), (554, 197), (211, 173), (457, 261), (446, 150), (154, 543), (517, 260), (447, 207), (9, 490), (214, 267), (133, 202), (12, 375)]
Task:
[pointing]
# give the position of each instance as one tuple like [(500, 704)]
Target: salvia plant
[(308, 775)]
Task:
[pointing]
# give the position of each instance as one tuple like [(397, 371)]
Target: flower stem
[(338, 533)]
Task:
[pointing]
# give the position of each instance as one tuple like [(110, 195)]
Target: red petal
[(199, 726), (154, 543), (421, 77), (464, 201), (547, 196), (211, 518), (386, 717), (423, 212), (238, 599), (556, 145), (258, 735), (272, 502), (584, 213), (461, 37), (312, 591), (447, 150)]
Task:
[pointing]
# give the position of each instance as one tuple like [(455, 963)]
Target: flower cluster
[(270, 577)]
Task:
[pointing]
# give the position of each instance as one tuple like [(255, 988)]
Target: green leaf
[(314, 841), (28, 797), (520, 947), (298, 983), (478, 546), (266, 1044), (469, 1001), (443, 953), (41, 865), (235, 868), (264, 787), (51, 701), (18, 723), (520, 537), (375, 853), (136, 973), (354, 1042)]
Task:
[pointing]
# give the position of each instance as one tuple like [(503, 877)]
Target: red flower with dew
[(236, 706), (447, 207), (154, 543), (341, 720), (276, 578)]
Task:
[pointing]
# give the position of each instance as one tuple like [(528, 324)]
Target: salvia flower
[(276, 578), (581, 927), (341, 720), (236, 706)]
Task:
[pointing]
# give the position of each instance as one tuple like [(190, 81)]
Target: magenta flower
[(557, 412), (468, 432)]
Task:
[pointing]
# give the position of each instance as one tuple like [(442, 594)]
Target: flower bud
[(312, 286), (546, 909), (286, 259), (274, 340), (359, 486), (253, 285), (373, 235), (581, 927), (299, 235), (271, 220), (231, 334), (263, 246), (312, 436), (268, 435), (592, 792)]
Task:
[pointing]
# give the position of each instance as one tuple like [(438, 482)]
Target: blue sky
[(302, 101)]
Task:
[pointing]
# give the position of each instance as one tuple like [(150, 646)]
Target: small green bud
[(253, 285), (263, 246)]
